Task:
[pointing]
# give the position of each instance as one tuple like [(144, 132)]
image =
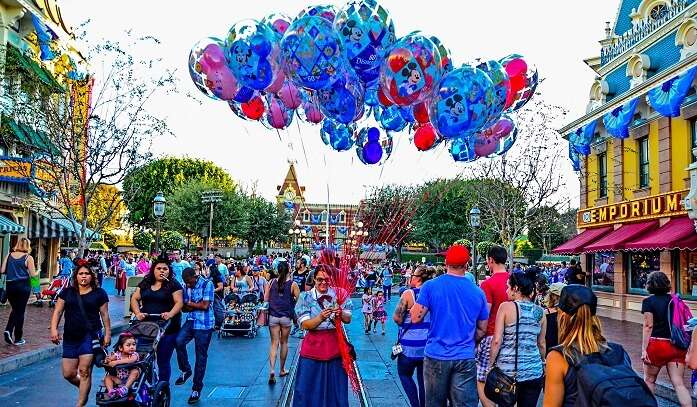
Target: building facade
[(34, 37), (632, 150), (315, 223)]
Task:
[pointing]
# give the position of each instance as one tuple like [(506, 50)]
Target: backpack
[(678, 315), (606, 380)]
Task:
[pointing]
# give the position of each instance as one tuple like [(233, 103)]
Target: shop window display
[(641, 265), (688, 273), (604, 270)]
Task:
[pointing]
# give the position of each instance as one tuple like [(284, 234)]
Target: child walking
[(119, 380), (367, 308), (379, 313)]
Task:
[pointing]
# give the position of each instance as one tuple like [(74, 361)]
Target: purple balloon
[(372, 152)]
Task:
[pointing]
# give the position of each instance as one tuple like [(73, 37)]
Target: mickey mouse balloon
[(411, 70), (366, 31), (253, 54)]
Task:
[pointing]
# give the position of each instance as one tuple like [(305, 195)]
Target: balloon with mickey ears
[(337, 67)]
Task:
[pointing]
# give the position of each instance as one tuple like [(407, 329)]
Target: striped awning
[(45, 227), (7, 226)]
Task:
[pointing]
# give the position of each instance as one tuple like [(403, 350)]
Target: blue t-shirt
[(455, 305), (66, 266), (178, 267)]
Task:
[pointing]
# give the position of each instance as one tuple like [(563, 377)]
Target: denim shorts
[(282, 321), (74, 349)]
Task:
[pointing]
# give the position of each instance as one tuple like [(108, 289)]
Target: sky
[(554, 35)]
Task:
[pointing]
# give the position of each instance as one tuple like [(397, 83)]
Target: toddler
[(379, 313), (117, 385)]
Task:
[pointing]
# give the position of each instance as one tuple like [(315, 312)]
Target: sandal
[(284, 373), (272, 378)]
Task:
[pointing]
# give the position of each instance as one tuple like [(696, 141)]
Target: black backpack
[(606, 380)]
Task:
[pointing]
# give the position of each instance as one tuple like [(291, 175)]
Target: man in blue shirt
[(66, 264), (178, 265), (459, 315), (198, 325)]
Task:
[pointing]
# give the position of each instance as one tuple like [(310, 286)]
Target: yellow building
[(35, 37)]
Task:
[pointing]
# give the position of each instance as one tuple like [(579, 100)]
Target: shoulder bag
[(500, 387), (397, 347), (97, 349)]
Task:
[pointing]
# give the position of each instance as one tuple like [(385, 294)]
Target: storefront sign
[(652, 207), (15, 170)]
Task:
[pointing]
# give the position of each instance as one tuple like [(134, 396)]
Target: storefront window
[(604, 271), (687, 273), (640, 266)]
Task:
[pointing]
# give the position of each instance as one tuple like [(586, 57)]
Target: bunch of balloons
[(338, 68)]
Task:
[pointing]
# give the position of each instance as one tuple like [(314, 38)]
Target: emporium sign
[(652, 207)]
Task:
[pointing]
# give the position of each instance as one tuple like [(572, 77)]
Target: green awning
[(67, 224), (7, 226), (16, 129), (31, 67), (39, 139)]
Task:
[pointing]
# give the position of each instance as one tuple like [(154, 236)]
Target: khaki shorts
[(282, 321)]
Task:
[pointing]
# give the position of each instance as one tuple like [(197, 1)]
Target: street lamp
[(158, 210), (475, 223)]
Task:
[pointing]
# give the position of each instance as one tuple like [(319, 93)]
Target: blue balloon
[(407, 114), (371, 97), (338, 136), (390, 118), (343, 100), (311, 53), (462, 149), (327, 12), (462, 103), (252, 54), (373, 146), (446, 61), (502, 85), (366, 31)]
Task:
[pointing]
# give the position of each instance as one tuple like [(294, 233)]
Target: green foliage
[(521, 246), (533, 255), (167, 174), (385, 209), (109, 239), (170, 240), (187, 214), (549, 228), (142, 239), (483, 248), (264, 221), (464, 242)]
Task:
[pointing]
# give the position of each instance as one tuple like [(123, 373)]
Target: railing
[(640, 31)]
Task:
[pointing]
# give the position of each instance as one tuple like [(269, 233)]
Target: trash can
[(131, 285)]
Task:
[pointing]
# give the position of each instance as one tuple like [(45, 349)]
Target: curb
[(39, 355), (667, 392)]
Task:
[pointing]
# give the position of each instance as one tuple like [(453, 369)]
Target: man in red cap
[(459, 315)]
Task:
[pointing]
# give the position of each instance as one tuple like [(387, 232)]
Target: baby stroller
[(148, 390), (50, 294), (240, 315)]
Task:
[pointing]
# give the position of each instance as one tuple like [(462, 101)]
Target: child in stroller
[(122, 378), (146, 390)]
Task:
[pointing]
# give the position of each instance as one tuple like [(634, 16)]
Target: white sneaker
[(20, 342)]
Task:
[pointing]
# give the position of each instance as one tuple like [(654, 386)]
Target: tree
[(143, 240), (264, 221), (387, 214), (109, 239), (166, 175), (526, 179), (101, 208), (171, 240), (188, 215), (549, 228), (86, 130)]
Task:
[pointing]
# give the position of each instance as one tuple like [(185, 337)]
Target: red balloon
[(253, 109), (517, 83), (425, 137), (421, 113), (383, 99)]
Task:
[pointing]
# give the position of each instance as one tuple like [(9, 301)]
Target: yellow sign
[(652, 207), (15, 170)]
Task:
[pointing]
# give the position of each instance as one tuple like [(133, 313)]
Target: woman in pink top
[(143, 265)]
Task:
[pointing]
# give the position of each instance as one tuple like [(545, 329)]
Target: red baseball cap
[(457, 255)]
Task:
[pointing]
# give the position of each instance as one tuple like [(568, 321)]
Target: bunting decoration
[(582, 138), (575, 158), (667, 98), (45, 36), (618, 120)]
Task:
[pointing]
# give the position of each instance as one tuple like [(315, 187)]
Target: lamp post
[(475, 223), (210, 197), (158, 210)]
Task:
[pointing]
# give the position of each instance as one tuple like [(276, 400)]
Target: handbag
[(97, 348), (3, 289), (500, 387), (218, 310)]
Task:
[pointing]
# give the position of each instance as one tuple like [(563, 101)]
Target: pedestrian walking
[(219, 292), (85, 308), (657, 349), (258, 282), (586, 362), (367, 308), (459, 315), (412, 339), (518, 347), (178, 265), (120, 274), (159, 293), (379, 314), (320, 378), (103, 269), (18, 268), (198, 325), (65, 264), (143, 265), (495, 289), (281, 294), (551, 303), (387, 282)]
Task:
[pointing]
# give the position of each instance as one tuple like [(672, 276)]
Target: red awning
[(616, 239), (673, 235), (578, 242)]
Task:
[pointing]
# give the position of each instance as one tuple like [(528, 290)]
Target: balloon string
[(302, 144)]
